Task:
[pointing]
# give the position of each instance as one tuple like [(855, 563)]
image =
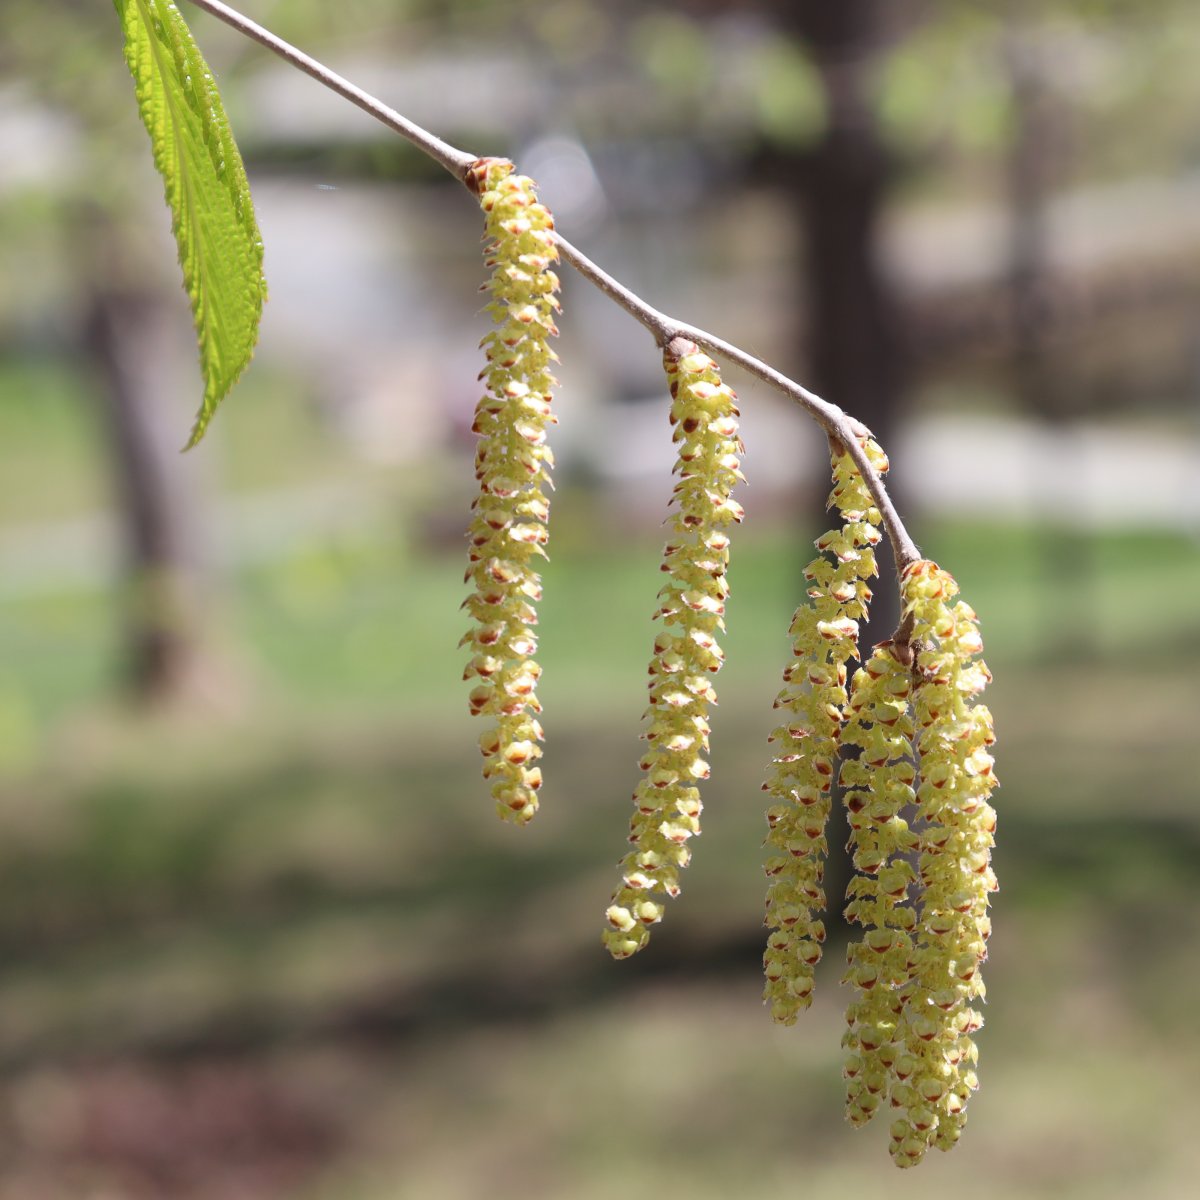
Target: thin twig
[(454, 160), (663, 327), (832, 419)]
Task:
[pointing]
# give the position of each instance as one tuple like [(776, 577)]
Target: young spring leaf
[(220, 248)]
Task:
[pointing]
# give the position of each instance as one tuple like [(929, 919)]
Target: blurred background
[(262, 935)]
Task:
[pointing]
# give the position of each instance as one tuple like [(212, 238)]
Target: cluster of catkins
[(916, 797), (918, 775)]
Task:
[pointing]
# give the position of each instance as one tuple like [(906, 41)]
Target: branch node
[(902, 644)]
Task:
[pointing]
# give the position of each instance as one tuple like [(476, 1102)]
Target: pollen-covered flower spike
[(704, 413), (512, 464), (935, 1070), (813, 702), (876, 788)]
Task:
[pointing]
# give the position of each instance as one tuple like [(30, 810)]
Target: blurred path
[(991, 467)]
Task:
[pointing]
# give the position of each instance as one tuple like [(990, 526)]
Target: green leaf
[(220, 248)]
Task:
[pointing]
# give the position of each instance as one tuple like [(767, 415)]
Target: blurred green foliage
[(322, 873)]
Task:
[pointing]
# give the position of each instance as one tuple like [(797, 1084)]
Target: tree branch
[(454, 160), (836, 423)]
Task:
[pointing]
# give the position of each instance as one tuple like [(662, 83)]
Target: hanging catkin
[(512, 464), (813, 701), (704, 415)]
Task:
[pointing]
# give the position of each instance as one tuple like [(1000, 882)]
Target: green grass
[(47, 404), (362, 622)]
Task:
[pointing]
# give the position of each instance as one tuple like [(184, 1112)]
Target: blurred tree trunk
[(1037, 153), (855, 340), (856, 343), (134, 340)]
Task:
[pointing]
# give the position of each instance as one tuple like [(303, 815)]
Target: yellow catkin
[(877, 787), (825, 633), (508, 525), (704, 413), (935, 1073)]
